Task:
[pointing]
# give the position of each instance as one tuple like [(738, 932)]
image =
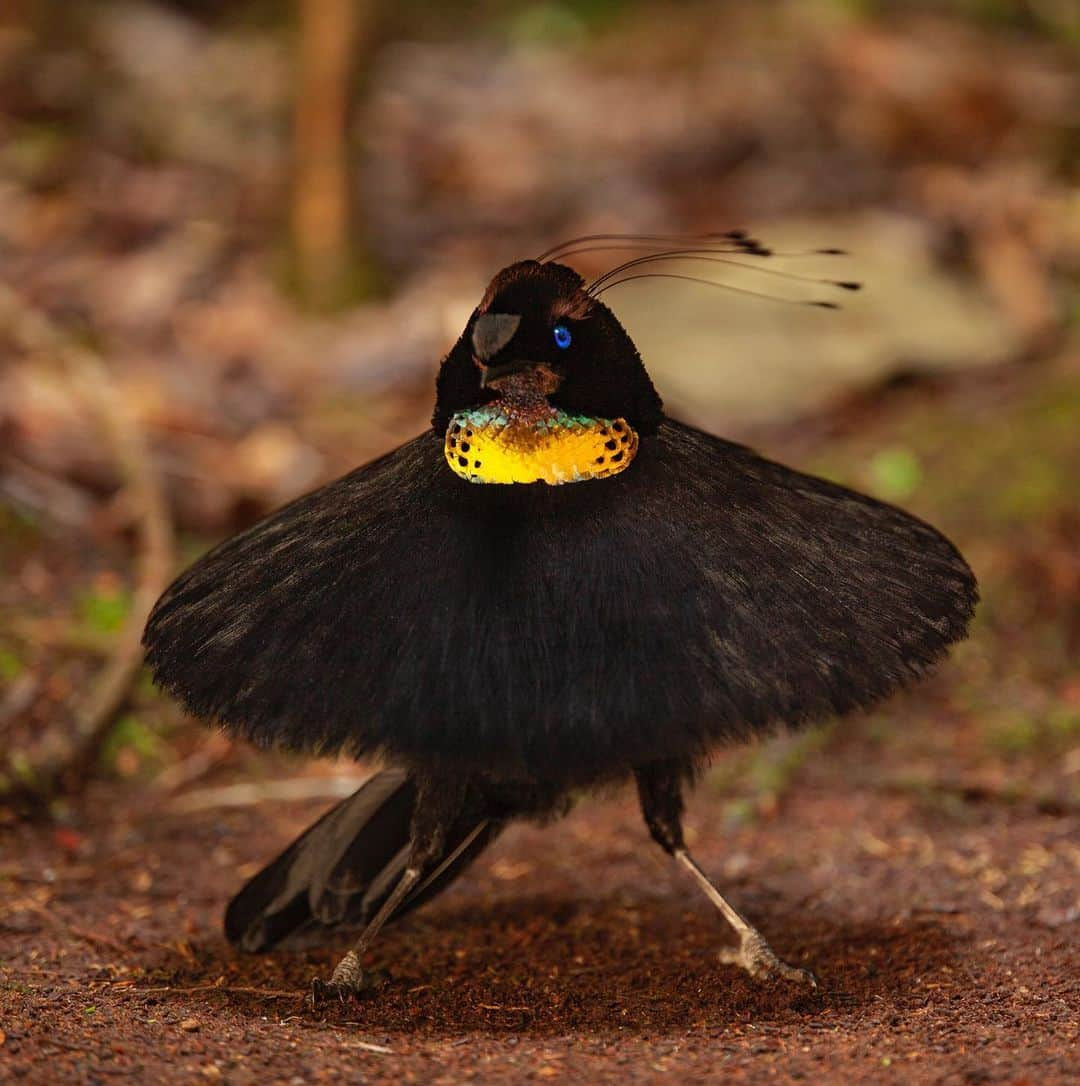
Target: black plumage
[(529, 639), (404, 611)]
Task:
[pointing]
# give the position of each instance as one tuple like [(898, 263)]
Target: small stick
[(250, 794), (56, 921), (232, 989), (154, 564)]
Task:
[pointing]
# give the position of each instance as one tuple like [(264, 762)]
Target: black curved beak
[(489, 375)]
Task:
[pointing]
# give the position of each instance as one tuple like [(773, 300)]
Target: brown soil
[(941, 936)]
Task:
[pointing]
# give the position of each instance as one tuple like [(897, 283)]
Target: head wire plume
[(732, 248)]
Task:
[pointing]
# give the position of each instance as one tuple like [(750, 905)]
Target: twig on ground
[(55, 920), (64, 504), (250, 794), (92, 380), (231, 989), (213, 751), (973, 791), (367, 1046), (19, 697)]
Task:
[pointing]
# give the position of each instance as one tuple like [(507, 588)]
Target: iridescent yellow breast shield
[(493, 445)]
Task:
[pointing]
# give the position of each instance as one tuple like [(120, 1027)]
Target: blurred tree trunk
[(334, 36)]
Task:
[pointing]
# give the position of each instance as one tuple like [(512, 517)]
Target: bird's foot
[(348, 979), (756, 956)]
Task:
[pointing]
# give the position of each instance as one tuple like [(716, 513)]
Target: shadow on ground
[(541, 966)]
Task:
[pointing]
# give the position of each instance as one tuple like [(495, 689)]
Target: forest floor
[(922, 860)]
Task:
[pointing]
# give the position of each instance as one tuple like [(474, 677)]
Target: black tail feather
[(341, 869)]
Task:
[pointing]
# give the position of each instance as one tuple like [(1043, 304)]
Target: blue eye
[(562, 336)]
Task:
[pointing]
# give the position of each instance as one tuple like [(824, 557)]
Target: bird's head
[(544, 384)]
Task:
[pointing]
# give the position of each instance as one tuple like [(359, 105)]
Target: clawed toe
[(349, 979), (756, 956), (325, 991)]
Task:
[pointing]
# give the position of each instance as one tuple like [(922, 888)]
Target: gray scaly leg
[(439, 802), (660, 792)]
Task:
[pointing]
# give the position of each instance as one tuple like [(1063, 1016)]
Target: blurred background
[(236, 239)]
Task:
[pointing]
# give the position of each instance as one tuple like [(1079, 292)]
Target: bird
[(554, 588)]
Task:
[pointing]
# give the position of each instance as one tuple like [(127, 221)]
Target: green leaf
[(895, 473)]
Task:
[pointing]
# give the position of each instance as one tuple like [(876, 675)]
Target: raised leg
[(439, 802), (660, 786)]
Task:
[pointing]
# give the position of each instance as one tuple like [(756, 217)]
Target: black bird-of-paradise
[(554, 587)]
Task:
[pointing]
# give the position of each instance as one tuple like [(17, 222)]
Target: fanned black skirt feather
[(562, 633)]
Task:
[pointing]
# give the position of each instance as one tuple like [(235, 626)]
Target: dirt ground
[(574, 953)]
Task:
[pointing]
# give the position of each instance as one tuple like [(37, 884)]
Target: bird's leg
[(660, 791), (439, 802), (753, 954)]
